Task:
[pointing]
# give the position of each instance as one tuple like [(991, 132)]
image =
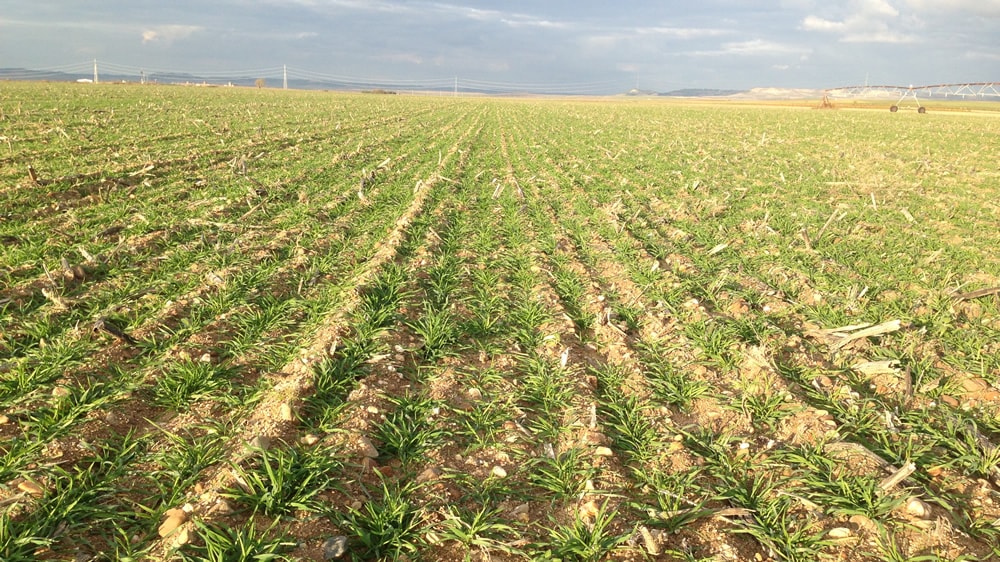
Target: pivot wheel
[(921, 110), (894, 109)]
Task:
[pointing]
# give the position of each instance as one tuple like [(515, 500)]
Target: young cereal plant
[(439, 331), (380, 299), (674, 387), (671, 509), (561, 477), (487, 492), (387, 528), (586, 539), (280, 481), (441, 282), (971, 450), (488, 306), (333, 380), (477, 530), (842, 494), (408, 431), (229, 544), (545, 385), (572, 293), (893, 550), (484, 421), (76, 501), (716, 341), (790, 537), (183, 461), (630, 315), (525, 320), (267, 314), (54, 420), (187, 381), (630, 427), (764, 409)]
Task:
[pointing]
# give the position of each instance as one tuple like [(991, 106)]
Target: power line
[(147, 74)]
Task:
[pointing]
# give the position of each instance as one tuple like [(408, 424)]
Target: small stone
[(285, 412), (205, 358), (475, 394), (223, 507), (916, 507), (499, 472), (183, 537), (864, 523), (432, 473), (367, 449), (310, 439), (31, 488), (973, 384), (839, 533), (334, 547), (112, 418), (60, 392), (522, 513), (649, 541), (603, 452), (4, 419), (371, 410), (175, 518), (259, 442), (589, 510), (597, 438)]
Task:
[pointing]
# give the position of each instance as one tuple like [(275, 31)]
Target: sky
[(599, 47)]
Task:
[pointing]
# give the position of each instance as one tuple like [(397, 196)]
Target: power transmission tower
[(284, 72), (95, 71)]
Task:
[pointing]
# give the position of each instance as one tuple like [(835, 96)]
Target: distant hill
[(699, 93), (778, 94), (685, 93)]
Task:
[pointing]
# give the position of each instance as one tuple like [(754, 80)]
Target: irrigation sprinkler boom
[(965, 90)]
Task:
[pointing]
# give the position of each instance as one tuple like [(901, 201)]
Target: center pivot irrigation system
[(978, 90)]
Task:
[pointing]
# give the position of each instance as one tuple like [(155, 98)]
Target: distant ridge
[(700, 93), (686, 93)]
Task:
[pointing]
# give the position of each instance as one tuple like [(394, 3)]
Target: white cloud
[(168, 33), (755, 47), (986, 8), (981, 55), (519, 20), (814, 23), (409, 58), (877, 8), (867, 21), (879, 36), (682, 32)]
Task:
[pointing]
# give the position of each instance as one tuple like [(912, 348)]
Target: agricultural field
[(259, 324)]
